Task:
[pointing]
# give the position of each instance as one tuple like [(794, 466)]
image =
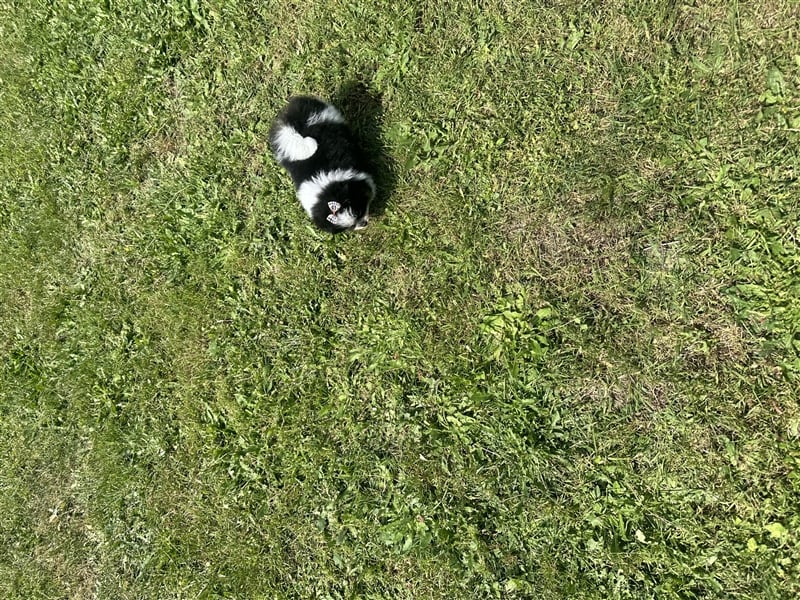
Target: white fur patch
[(330, 114), (309, 191), (290, 145), (345, 219)]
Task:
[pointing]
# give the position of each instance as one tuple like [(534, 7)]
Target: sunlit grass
[(560, 363)]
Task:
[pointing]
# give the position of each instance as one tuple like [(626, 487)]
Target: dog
[(312, 141)]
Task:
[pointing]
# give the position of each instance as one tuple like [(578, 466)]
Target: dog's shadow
[(364, 112)]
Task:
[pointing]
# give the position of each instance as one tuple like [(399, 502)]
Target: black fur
[(337, 148)]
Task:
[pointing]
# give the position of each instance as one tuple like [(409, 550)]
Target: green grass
[(562, 363)]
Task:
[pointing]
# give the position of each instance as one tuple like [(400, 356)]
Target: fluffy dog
[(312, 141)]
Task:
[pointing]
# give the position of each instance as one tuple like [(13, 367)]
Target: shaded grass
[(561, 363)]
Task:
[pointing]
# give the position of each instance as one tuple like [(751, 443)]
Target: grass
[(562, 363)]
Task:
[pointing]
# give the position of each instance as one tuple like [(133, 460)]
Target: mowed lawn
[(562, 362)]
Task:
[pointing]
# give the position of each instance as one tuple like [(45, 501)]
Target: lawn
[(562, 361)]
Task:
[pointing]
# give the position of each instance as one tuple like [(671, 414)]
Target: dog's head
[(341, 203)]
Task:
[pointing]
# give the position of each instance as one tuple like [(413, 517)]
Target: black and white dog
[(312, 141)]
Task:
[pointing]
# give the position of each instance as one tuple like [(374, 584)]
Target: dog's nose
[(362, 223)]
